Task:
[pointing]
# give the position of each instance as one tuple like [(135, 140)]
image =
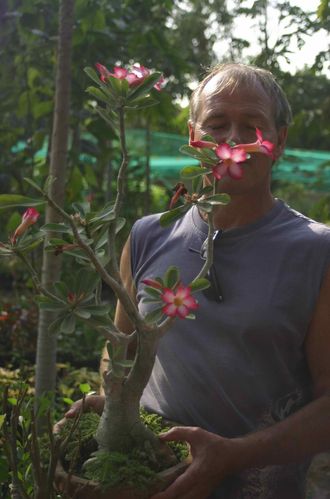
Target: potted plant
[(89, 237)]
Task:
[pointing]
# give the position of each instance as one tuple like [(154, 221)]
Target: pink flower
[(30, 216), (179, 302), (104, 73), (135, 77), (230, 158), (260, 145)]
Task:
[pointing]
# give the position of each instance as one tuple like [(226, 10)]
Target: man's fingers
[(178, 433), (181, 487)]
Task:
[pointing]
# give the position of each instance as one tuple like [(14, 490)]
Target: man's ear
[(282, 135), (191, 131)]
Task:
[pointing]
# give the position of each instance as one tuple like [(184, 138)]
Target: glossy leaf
[(193, 172), (199, 284), (170, 216), (11, 200), (171, 277)]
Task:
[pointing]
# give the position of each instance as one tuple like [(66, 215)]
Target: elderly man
[(250, 377)]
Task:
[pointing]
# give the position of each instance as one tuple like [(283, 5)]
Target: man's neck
[(242, 211)]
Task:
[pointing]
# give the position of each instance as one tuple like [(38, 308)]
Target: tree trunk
[(46, 346)]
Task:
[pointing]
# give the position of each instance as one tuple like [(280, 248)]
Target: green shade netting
[(308, 167)]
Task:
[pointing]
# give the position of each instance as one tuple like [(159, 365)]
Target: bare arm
[(301, 435)]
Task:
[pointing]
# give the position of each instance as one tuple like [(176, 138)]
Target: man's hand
[(93, 403), (210, 464)]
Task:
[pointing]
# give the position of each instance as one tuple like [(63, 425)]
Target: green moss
[(113, 469)]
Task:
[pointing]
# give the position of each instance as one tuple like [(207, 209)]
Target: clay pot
[(75, 487)]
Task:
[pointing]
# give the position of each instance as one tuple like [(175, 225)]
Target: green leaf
[(62, 289), (170, 216), (120, 223), (144, 87), (68, 401), (197, 183), (2, 419), (104, 215), (107, 118), (172, 277), (206, 190), (116, 85), (193, 172), (54, 327), (52, 306), (208, 138), (85, 388), (82, 313), (153, 291), (142, 103), (93, 75), (199, 284), (218, 199), (204, 205), (12, 400), (86, 281), (100, 95), (68, 324), (155, 315), (11, 200), (60, 227), (98, 310), (30, 244), (194, 153)]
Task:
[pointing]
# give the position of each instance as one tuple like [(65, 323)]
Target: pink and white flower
[(134, 77), (179, 302), (30, 216), (230, 157), (260, 145)]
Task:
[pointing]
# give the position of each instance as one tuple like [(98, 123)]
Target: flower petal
[(168, 296), (219, 170), (119, 72), (133, 79), (235, 170), (223, 151), (238, 155), (170, 310), (182, 311), (259, 134)]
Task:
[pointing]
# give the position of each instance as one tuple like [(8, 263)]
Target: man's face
[(234, 116)]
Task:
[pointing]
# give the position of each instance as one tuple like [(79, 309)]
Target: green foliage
[(113, 469)]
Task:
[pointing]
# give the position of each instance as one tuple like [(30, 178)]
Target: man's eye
[(216, 126)]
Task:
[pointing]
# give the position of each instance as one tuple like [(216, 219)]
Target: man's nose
[(234, 134)]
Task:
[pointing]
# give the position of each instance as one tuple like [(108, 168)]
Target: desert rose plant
[(89, 238)]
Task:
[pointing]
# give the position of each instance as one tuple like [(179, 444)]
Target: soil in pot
[(115, 475)]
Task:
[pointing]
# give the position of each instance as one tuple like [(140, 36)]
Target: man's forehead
[(222, 84), (251, 99)]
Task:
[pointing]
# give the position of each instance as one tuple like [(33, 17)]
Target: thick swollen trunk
[(46, 346), (120, 427)]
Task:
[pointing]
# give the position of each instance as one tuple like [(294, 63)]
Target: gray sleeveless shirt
[(240, 365)]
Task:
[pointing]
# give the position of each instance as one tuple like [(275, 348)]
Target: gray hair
[(236, 74)]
